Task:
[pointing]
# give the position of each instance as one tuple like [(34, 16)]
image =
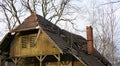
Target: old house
[(38, 42)]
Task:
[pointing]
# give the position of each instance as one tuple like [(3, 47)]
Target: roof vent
[(89, 39)]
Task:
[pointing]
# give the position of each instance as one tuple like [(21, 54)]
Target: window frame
[(27, 41)]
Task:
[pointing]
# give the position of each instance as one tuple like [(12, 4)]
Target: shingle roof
[(66, 41), (72, 43), (28, 24), (5, 43)]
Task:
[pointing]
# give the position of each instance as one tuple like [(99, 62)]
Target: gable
[(23, 45)]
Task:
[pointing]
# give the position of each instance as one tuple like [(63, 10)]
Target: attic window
[(32, 40), (28, 41), (24, 41)]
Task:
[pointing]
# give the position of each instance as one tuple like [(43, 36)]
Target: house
[(38, 42)]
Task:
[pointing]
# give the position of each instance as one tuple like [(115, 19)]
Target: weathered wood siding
[(43, 46), (22, 47)]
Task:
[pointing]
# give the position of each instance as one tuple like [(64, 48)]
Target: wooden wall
[(23, 48), (43, 46)]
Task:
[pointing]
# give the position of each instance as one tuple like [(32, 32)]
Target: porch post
[(16, 60), (41, 58), (2, 60), (58, 58)]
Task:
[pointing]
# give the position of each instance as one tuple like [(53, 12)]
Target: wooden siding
[(43, 46)]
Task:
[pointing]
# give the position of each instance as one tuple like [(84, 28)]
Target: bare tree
[(105, 24), (30, 5), (11, 13), (50, 9), (57, 9), (7, 18)]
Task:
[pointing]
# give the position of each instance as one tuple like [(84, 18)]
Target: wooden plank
[(43, 47), (16, 60), (41, 58)]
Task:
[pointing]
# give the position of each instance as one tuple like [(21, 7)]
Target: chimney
[(89, 39)]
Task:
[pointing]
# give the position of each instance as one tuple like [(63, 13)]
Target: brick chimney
[(89, 39)]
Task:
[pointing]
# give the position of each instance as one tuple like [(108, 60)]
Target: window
[(32, 41), (27, 41), (24, 41)]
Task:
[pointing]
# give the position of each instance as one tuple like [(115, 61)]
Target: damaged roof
[(66, 41)]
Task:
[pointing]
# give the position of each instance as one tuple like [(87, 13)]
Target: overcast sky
[(80, 22), (82, 19)]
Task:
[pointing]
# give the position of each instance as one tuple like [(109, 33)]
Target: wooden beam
[(41, 58), (2, 60), (39, 31), (16, 60), (58, 58), (65, 62)]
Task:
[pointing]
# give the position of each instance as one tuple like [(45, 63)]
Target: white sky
[(80, 23)]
